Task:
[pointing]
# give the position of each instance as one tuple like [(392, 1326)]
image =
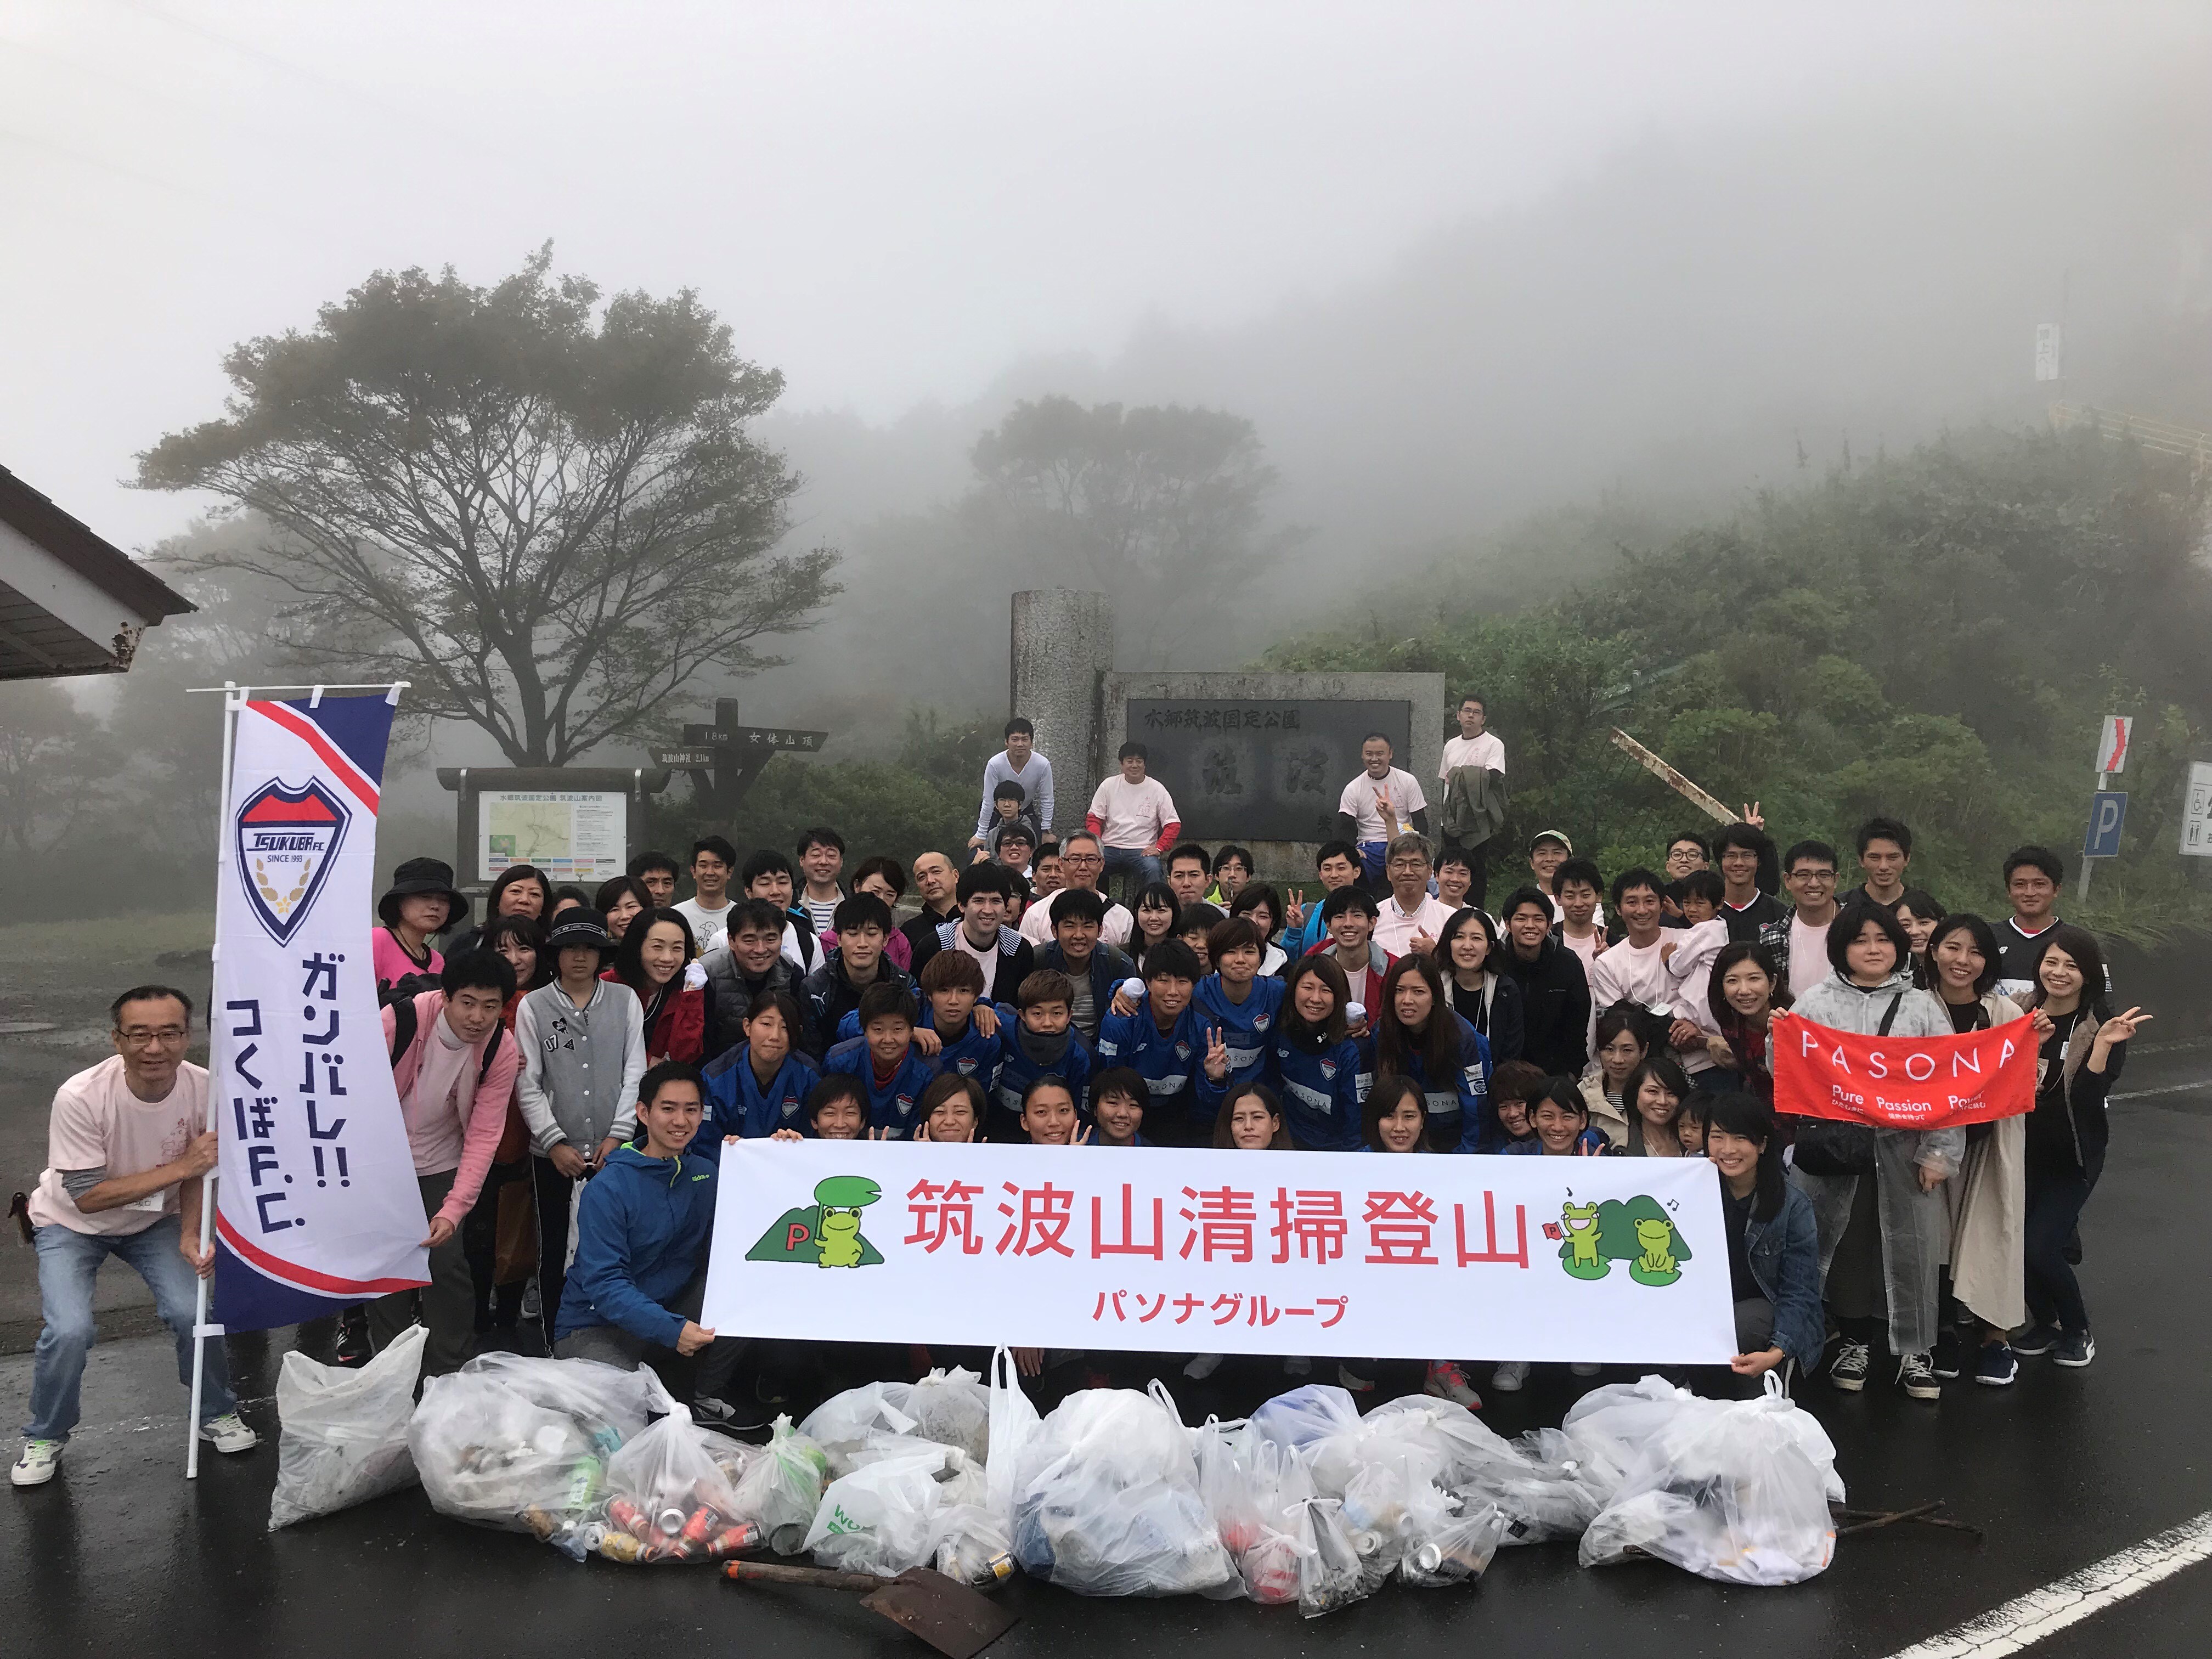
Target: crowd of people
[(570, 1068)]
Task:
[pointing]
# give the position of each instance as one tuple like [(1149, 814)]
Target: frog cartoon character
[(827, 1233), (1640, 1232), (1579, 1253), (842, 1198)]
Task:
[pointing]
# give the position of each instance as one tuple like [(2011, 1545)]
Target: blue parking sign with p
[(2108, 811)]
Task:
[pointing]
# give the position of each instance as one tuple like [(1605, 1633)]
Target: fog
[(1458, 266)]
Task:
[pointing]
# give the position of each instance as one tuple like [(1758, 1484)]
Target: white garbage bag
[(1013, 1425), (881, 1518), (344, 1439), (1731, 1490)]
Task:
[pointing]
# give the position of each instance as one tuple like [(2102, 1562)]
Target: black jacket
[(826, 996), (1108, 968), (730, 995), (1555, 1006), (1501, 1023), (1016, 958), (920, 933)]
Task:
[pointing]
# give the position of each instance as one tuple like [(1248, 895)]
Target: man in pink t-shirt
[(126, 1135)]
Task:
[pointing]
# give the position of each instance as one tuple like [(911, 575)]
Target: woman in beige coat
[(1988, 1198)]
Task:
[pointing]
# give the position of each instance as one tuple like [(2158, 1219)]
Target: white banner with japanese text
[(1619, 1260), (317, 1201)]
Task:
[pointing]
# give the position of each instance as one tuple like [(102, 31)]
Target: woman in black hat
[(423, 901)]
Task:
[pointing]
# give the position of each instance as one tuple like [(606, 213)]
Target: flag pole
[(232, 697)]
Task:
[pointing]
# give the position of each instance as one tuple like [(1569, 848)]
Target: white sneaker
[(1583, 1368), (1351, 1383), (36, 1465), (1447, 1382), (1202, 1367), (227, 1434), (1510, 1377), (1298, 1365)]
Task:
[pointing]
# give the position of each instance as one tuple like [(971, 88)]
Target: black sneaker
[(1848, 1371), (2075, 1349), (1948, 1358), (725, 1414), (2035, 1341), (1917, 1377), (1994, 1366)]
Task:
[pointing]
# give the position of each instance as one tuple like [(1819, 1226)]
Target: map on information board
[(572, 834)]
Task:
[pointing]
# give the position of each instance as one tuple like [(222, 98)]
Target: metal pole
[(2082, 887), (233, 698)]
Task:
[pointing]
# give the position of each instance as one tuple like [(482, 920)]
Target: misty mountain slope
[(1669, 327)]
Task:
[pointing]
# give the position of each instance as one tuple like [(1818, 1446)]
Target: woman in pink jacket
[(453, 1066)]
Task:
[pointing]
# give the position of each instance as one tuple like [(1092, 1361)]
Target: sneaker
[(1447, 1382), (1202, 1366), (1996, 1366), (2075, 1349), (1351, 1383), (771, 1391), (1917, 1377), (1848, 1371), (36, 1465), (1950, 1356), (1298, 1365), (2035, 1342), (1584, 1368), (1510, 1377), (722, 1414), (227, 1434)]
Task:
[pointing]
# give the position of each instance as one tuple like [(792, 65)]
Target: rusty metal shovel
[(945, 1612)]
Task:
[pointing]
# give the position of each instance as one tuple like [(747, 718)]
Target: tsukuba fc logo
[(287, 841)]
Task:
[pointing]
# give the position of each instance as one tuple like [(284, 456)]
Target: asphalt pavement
[(120, 1554)]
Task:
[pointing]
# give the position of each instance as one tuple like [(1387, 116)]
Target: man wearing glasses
[(1809, 873), (126, 1136), (1410, 920), (1083, 864)]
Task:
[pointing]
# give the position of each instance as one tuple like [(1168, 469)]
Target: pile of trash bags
[(600, 1461), (344, 1439), (1308, 1502)]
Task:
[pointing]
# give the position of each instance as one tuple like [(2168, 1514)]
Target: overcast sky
[(890, 202)]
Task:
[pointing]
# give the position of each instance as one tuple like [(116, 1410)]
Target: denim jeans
[(1140, 866), (68, 1260)]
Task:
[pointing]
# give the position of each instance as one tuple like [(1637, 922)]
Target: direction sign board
[(682, 757), (2113, 743), (2196, 813), (2108, 811)]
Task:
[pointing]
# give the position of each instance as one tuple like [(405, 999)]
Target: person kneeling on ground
[(1774, 1248), (125, 1134), (642, 1227)]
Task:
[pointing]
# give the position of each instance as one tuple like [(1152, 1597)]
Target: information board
[(1265, 770), (2196, 813), (572, 834)]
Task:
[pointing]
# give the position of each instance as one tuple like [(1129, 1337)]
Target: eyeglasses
[(1814, 877), (139, 1036), (1409, 864), (1082, 857)]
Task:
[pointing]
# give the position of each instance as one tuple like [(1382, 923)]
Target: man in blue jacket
[(1164, 1043), (642, 1231)]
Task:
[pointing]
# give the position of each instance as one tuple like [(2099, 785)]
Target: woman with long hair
[(1313, 1060), (1621, 1042), (1988, 1198), (1155, 912), (1745, 991), (651, 959), (1653, 1095), (1418, 1036), (1919, 910), (1873, 1195), (1467, 957), (1395, 1119), (1774, 1246), (2084, 1046)]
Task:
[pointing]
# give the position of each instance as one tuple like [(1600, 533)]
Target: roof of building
[(70, 602)]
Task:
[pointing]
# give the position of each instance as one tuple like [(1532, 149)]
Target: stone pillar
[(1062, 641)]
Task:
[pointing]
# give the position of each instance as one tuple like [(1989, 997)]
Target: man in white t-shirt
[(1377, 807), (1635, 969), (1808, 871), (1083, 863), (713, 860), (1409, 920), (1474, 746), (1134, 818), (125, 1148)]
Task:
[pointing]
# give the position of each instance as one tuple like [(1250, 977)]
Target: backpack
[(404, 1028)]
